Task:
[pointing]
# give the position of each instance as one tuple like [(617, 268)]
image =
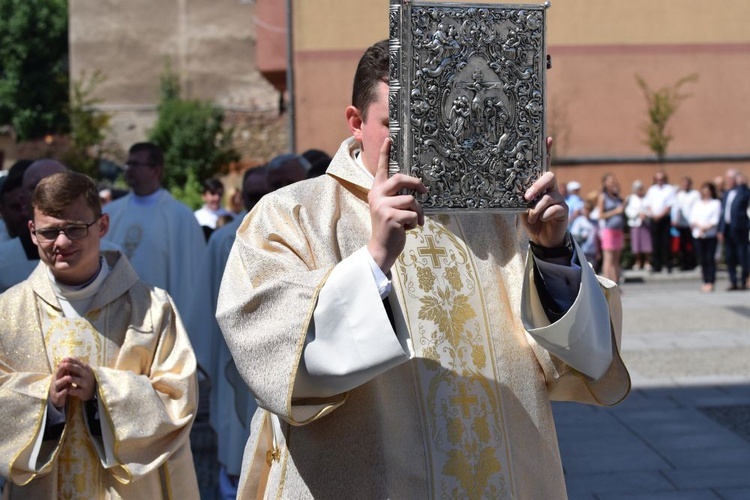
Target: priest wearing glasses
[(97, 376)]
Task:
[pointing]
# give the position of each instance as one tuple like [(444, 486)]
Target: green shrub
[(34, 67), (190, 132)]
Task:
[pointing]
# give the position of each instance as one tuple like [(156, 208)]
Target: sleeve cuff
[(381, 280)]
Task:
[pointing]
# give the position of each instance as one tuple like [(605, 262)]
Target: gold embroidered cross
[(463, 399), (432, 251), (67, 462)]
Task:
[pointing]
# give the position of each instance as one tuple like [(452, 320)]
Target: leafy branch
[(662, 105)]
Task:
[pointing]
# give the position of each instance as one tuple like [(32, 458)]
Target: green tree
[(662, 105), (195, 145), (88, 127), (34, 66)]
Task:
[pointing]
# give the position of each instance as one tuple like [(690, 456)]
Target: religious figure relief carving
[(467, 102)]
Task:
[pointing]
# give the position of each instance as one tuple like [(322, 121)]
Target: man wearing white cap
[(575, 203)]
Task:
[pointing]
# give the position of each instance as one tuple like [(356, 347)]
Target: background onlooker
[(586, 233), (209, 214), (638, 223), (704, 222), (684, 200), (734, 226), (659, 200), (612, 225), (573, 199)]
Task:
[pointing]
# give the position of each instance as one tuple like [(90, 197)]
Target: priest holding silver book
[(406, 342)]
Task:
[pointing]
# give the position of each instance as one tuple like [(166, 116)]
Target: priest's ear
[(354, 120), (103, 225)]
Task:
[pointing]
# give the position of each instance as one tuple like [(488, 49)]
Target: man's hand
[(72, 378), (392, 214), (546, 222), (58, 390)]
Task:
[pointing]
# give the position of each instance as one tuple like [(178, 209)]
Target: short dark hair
[(57, 192), (371, 70), (213, 185), (319, 161), (155, 154), (14, 179), (711, 188), (249, 200)]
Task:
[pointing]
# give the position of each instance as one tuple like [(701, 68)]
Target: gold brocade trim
[(111, 424), (34, 437), (300, 347), (166, 481), (282, 480), (466, 440), (323, 411)]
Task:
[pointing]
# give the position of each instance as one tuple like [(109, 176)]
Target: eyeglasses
[(72, 232)]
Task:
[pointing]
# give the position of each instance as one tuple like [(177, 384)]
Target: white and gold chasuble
[(145, 370), (462, 407)]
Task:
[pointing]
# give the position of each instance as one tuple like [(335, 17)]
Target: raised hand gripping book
[(467, 102)]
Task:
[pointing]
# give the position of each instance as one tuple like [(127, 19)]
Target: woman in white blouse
[(704, 220)]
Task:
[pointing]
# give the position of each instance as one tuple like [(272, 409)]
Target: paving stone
[(616, 482), (608, 460), (704, 494), (733, 493), (689, 370), (714, 456), (708, 477)]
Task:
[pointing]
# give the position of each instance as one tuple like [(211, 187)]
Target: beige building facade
[(595, 108), (209, 44)]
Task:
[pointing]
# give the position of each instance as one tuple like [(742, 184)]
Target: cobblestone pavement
[(684, 431)]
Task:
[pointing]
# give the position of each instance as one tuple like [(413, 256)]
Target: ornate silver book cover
[(467, 101)]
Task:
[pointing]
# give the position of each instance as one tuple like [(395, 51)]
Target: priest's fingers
[(381, 174), (546, 184), (381, 209), (74, 366), (58, 392), (391, 216), (390, 186), (547, 221), (405, 212), (399, 182), (83, 387)]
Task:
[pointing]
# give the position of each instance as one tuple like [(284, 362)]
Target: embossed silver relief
[(467, 102)]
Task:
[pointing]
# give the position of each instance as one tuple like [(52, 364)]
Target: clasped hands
[(73, 378), (393, 214)]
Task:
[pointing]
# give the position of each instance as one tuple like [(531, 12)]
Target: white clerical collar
[(148, 200), (75, 299), (361, 164)]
